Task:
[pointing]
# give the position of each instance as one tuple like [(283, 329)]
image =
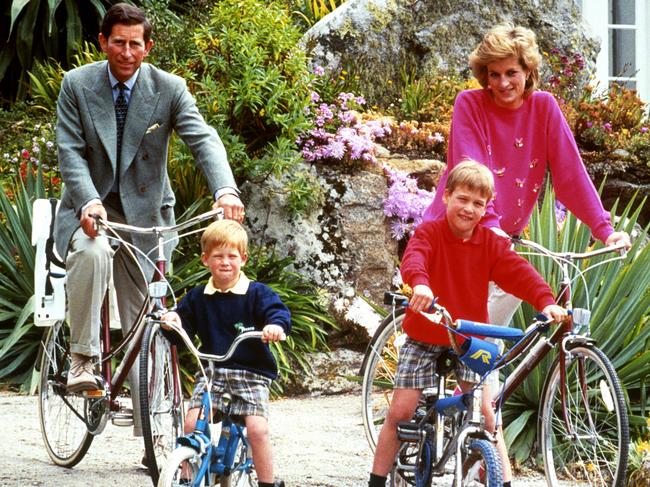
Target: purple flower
[(319, 70), (607, 126), (589, 124), (315, 97), (643, 130)]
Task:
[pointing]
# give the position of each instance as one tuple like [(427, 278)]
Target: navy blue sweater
[(212, 317)]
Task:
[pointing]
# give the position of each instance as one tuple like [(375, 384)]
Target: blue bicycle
[(203, 458)]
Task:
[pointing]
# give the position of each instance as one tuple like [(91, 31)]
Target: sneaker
[(81, 376)]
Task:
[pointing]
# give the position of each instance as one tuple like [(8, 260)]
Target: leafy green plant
[(19, 338), (46, 77), (617, 294), (311, 11), (41, 29), (252, 83)]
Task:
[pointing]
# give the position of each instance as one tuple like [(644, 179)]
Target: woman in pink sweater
[(518, 132)]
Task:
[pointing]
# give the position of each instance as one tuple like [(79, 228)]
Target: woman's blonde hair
[(224, 233), (505, 41), (474, 176)]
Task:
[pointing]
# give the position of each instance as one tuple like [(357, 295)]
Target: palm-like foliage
[(19, 338), (618, 294), (42, 29)]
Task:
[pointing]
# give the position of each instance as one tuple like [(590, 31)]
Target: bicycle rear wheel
[(161, 400), (482, 465), (380, 365), (595, 449), (61, 414)]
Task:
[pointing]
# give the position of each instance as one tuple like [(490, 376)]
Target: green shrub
[(252, 83), (19, 338)]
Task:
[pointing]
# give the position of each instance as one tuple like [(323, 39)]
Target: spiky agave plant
[(618, 295)]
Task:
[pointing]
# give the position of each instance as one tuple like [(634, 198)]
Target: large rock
[(344, 246), (380, 39)]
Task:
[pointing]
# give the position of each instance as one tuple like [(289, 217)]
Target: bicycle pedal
[(408, 432)]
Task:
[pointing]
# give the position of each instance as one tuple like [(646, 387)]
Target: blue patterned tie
[(121, 107)]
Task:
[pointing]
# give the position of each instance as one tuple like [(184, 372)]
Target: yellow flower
[(643, 447), (390, 82)]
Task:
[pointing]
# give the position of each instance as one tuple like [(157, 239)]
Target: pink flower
[(644, 130), (607, 126)]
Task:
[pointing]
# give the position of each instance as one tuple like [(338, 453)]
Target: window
[(623, 27)]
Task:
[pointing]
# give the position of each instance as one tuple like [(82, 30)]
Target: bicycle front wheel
[(380, 365), (61, 414), (182, 468), (482, 465), (243, 472), (161, 400), (590, 445)]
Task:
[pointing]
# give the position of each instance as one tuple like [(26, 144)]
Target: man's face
[(465, 208), (125, 49)]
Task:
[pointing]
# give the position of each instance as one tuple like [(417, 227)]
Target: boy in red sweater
[(453, 259)]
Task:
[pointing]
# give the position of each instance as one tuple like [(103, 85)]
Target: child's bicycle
[(583, 431), (70, 421), (202, 458)]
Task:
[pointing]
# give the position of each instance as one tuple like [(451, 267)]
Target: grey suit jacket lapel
[(102, 110), (142, 106)]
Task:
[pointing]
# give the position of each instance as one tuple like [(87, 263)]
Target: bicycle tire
[(602, 421), (174, 470), (422, 475), (65, 433), (161, 404), (481, 465), (380, 364)]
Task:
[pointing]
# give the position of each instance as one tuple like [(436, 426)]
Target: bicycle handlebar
[(100, 222), (619, 247), (207, 356)]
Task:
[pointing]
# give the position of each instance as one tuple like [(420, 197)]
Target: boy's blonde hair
[(504, 41), (224, 233), (473, 175)]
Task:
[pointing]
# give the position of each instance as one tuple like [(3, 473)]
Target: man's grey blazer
[(86, 139)]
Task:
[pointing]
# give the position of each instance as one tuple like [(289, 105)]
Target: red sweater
[(458, 273)]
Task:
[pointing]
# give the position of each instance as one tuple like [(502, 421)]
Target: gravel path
[(317, 442)]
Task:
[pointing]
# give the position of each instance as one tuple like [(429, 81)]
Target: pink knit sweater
[(518, 146)]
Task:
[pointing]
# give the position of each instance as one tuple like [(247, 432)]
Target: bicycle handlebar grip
[(487, 330)]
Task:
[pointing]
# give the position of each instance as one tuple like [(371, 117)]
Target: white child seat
[(49, 270)]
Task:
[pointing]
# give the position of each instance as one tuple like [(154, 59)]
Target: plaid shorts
[(249, 392), (416, 366)]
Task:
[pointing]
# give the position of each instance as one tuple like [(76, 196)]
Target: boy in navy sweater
[(211, 313)]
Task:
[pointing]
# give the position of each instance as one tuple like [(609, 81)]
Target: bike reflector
[(479, 355)]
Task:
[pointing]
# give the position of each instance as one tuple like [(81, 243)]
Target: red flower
[(24, 153)]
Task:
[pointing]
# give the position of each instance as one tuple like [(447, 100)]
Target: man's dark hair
[(123, 13)]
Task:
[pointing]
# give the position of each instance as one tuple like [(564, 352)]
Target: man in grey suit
[(115, 119)]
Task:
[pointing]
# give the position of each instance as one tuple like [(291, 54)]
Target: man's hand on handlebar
[(422, 298), (233, 208), (273, 333), (88, 219), (558, 313)]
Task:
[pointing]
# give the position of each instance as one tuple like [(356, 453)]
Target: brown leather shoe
[(81, 376)]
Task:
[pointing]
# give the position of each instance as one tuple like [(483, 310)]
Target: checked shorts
[(416, 366), (249, 391)]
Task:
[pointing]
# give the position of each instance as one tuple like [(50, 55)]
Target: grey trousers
[(91, 263)]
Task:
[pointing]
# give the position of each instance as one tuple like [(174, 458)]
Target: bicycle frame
[(155, 301)]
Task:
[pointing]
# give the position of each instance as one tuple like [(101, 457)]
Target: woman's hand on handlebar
[(273, 333), (558, 313), (620, 238), (422, 298), (88, 219)]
